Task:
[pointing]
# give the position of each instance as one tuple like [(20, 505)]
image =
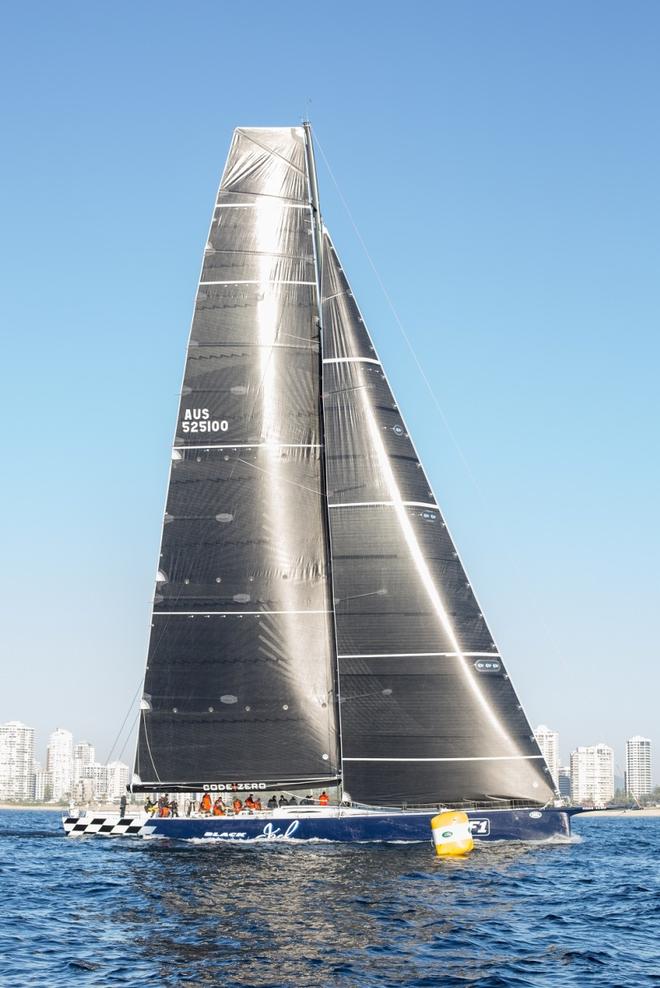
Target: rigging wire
[(398, 321), (128, 736), (126, 716)]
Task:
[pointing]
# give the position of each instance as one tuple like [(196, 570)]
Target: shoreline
[(646, 811), (64, 810)]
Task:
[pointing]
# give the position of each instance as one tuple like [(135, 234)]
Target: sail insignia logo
[(488, 665), (233, 786)]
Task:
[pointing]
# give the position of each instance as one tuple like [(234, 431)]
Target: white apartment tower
[(592, 774), (83, 754), (16, 757), (59, 763), (638, 766), (548, 742), (117, 780)]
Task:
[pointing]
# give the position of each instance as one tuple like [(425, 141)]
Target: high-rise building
[(59, 763), (83, 754), (117, 776), (40, 783), (638, 766), (592, 774), (564, 782), (16, 757), (94, 783), (548, 742)]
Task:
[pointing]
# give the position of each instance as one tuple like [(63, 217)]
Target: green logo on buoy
[(448, 833)]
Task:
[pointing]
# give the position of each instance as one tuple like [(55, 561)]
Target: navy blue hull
[(492, 825)]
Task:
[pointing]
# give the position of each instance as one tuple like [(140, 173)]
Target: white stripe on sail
[(388, 504), (473, 758), (419, 655), (231, 613), (254, 446), (350, 360), (259, 281)]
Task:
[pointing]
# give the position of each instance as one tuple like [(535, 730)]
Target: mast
[(317, 236), (317, 225)]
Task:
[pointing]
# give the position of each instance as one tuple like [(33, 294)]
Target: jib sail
[(428, 712)]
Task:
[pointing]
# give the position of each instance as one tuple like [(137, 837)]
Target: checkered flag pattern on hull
[(106, 826)]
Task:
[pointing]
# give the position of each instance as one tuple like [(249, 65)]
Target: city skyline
[(70, 774), (70, 764)]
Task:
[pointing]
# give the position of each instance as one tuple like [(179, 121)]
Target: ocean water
[(130, 912)]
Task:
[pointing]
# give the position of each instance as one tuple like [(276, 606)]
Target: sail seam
[(419, 655), (370, 504), (467, 758), (255, 446), (255, 205), (351, 360), (257, 281), (204, 613)]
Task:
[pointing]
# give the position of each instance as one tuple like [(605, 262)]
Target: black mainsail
[(308, 589), (240, 674)]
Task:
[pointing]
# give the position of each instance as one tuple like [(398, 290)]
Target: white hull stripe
[(386, 504), (260, 281), (476, 758), (420, 655)]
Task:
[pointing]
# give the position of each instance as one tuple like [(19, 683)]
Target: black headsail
[(239, 687), (428, 713)]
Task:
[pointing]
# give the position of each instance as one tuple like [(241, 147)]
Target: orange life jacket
[(238, 806), (324, 799), (218, 810), (256, 805), (164, 811), (205, 804)]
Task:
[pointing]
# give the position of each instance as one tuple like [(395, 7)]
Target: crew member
[(205, 804), (249, 802), (256, 805), (218, 807), (324, 799), (237, 805)]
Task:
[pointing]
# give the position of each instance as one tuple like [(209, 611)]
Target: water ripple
[(123, 912)]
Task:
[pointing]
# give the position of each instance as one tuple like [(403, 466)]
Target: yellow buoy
[(451, 834)]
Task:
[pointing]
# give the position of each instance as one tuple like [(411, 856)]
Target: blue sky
[(501, 162)]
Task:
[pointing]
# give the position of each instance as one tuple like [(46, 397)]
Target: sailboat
[(313, 627)]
